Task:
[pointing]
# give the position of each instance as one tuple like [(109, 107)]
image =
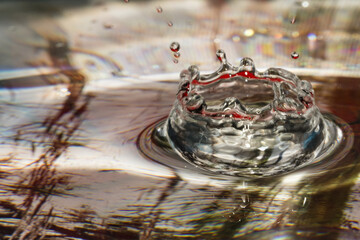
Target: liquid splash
[(241, 122)]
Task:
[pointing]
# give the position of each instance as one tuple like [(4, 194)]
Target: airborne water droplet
[(159, 9), (108, 25), (126, 1), (170, 23), (293, 20), (220, 54), (175, 46), (295, 55)]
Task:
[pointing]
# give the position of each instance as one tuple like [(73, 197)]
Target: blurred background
[(132, 38)]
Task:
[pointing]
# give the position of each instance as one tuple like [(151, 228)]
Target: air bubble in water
[(177, 55), (175, 46), (295, 55), (170, 23), (159, 9), (175, 60)]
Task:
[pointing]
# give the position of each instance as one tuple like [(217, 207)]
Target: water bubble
[(159, 9), (175, 60), (175, 46), (305, 4), (295, 55), (177, 55)]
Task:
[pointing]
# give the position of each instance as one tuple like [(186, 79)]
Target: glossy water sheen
[(238, 121), (79, 100)]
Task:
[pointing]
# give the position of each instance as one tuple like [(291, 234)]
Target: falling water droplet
[(293, 20), (295, 55), (175, 46), (126, 1), (177, 55), (220, 54), (159, 9), (170, 23)]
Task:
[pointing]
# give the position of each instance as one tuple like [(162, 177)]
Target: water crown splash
[(241, 122)]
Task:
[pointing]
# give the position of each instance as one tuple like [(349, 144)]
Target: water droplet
[(170, 23), (221, 55), (312, 37), (293, 20), (159, 9), (175, 46), (305, 4), (177, 55), (217, 40), (175, 60), (126, 1), (108, 25), (185, 75), (249, 32), (295, 34), (236, 38), (295, 55)]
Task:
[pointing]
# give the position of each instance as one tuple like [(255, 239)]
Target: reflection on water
[(70, 167)]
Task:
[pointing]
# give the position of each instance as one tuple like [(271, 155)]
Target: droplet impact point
[(241, 122)]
